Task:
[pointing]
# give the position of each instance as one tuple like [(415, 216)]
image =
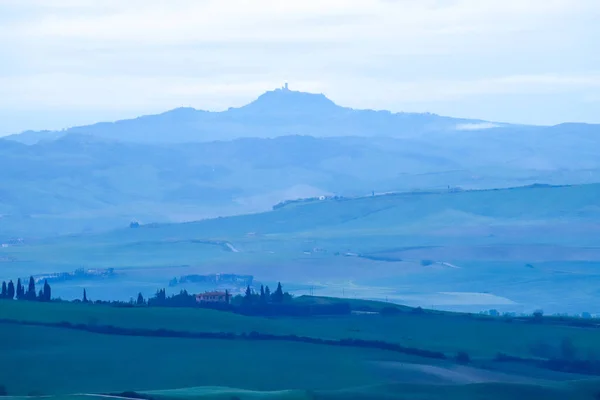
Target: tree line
[(264, 296), (11, 292), (185, 299), (252, 335), (263, 302)]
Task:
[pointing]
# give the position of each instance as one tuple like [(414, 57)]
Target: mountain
[(279, 112), (284, 145)]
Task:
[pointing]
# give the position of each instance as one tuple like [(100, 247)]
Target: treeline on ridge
[(10, 291), (264, 302)]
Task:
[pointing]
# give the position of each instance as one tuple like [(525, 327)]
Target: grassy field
[(44, 360), (488, 391), (50, 361), (481, 337)]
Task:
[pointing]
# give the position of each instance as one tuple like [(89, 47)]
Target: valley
[(514, 250)]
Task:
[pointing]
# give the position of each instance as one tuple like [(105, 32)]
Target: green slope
[(396, 212), (482, 337), (406, 247), (44, 360)]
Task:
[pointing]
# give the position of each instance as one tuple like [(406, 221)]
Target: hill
[(188, 164), (82, 182), (275, 113), (514, 250), (411, 212)]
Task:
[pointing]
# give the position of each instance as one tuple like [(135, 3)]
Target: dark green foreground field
[(62, 361)]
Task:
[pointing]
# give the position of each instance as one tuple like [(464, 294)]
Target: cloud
[(477, 127), (133, 93), (172, 22), (126, 92)]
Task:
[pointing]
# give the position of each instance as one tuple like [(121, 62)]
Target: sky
[(71, 62)]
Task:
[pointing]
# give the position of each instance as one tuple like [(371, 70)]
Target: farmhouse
[(213, 297)]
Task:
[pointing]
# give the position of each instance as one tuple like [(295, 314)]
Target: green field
[(44, 360), (489, 391), (481, 337)]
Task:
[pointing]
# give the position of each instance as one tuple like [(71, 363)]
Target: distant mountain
[(79, 182), (275, 113), (284, 145)]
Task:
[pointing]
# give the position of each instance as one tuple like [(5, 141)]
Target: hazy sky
[(69, 62)]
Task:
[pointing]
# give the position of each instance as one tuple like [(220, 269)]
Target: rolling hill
[(81, 182), (512, 249), (89, 356)]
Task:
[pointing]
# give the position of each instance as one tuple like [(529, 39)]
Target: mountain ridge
[(275, 113)]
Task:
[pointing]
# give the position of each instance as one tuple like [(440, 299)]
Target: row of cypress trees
[(265, 295), (10, 292)]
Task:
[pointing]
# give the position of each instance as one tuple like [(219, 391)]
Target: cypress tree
[(140, 300), (40, 296), (278, 295), (159, 299), (31, 294), (20, 290), (227, 296), (47, 291), (85, 299), (11, 290), (248, 295), (263, 297), (4, 293), (267, 294)]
